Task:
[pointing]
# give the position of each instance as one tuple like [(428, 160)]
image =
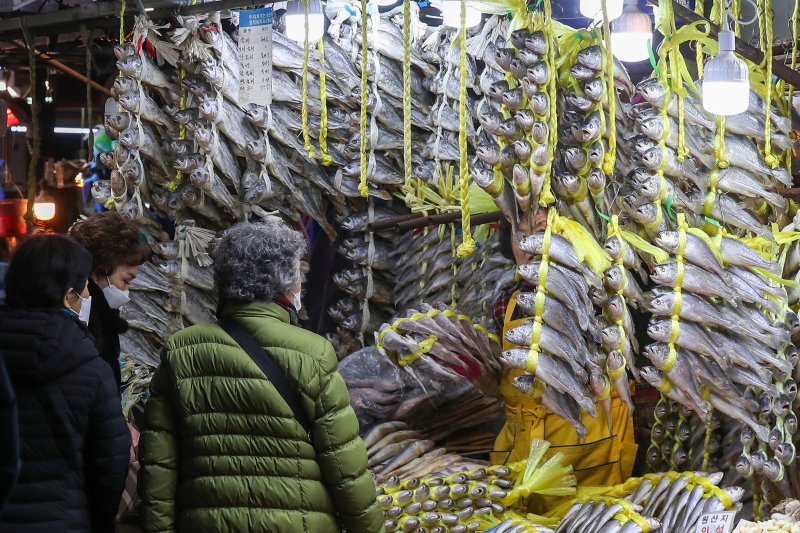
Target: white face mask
[(297, 303), (115, 296), (86, 309)]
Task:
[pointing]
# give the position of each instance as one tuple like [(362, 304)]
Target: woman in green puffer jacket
[(221, 449)]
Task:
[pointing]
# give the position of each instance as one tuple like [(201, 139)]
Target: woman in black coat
[(117, 253), (75, 443)]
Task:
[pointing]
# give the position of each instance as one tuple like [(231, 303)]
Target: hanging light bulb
[(593, 9), (630, 34), (44, 208), (726, 82), (296, 21), (451, 14)]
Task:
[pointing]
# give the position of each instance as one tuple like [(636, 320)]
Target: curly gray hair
[(258, 261)]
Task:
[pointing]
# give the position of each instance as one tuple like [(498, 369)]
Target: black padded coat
[(75, 443)]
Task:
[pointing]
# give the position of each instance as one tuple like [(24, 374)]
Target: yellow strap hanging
[(407, 164), (610, 156), (699, 9), (546, 197), (304, 107), (467, 245), (363, 188), (323, 118)]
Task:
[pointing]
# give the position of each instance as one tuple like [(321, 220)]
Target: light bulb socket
[(727, 41)]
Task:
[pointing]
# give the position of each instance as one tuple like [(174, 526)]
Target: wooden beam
[(686, 15), (408, 222), (66, 69)]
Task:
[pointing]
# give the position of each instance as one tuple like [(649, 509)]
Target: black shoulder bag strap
[(267, 364)]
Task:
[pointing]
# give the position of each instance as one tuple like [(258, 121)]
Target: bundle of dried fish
[(475, 496), (671, 501)]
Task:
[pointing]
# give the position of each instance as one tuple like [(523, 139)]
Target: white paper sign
[(255, 56), (721, 522)]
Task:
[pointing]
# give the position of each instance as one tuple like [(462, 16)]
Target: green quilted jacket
[(221, 450)]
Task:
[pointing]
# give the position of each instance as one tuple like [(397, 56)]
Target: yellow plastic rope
[(363, 188), (706, 454), (699, 9), (769, 159), (541, 294), (407, 163), (546, 197), (736, 11), (173, 184), (323, 117), (611, 154), (467, 245), (304, 108)]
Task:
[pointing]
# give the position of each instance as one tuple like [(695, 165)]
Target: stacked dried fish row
[(666, 502), (474, 499), (560, 340), (452, 340), (458, 503)]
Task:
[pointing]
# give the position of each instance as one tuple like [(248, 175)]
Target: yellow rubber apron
[(602, 458)]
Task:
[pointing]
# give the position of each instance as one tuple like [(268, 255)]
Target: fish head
[(528, 57), (351, 323), (504, 56), (130, 66), (598, 296), (107, 159), (530, 89), (537, 73), (355, 142), (529, 271), (513, 98), (518, 38), (611, 336), (209, 108), (257, 149), (661, 305), (659, 330), (124, 50), (653, 456), (536, 42), (539, 131), (781, 405), (643, 144), (773, 469), (200, 177), (497, 89), (130, 102), (190, 197), (616, 307), (130, 137), (526, 300), (523, 149), (489, 120), (488, 154), (652, 376), (747, 436), (785, 452), (613, 278), (653, 127), (576, 157), (667, 241), (117, 121), (657, 353), (569, 181), (596, 150), (518, 68), (596, 179), (679, 456), (352, 168), (594, 88), (508, 157), (663, 274), (591, 57), (581, 72), (540, 102), (515, 358), (533, 244), (652, 90), (508, 128), (613, 246), (744, 467), (214, 74), (646, 214), (125, 85), (790, 388), (658, 432), (651, 188)]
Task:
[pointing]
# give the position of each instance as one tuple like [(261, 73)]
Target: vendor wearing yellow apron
[(603, 458)]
